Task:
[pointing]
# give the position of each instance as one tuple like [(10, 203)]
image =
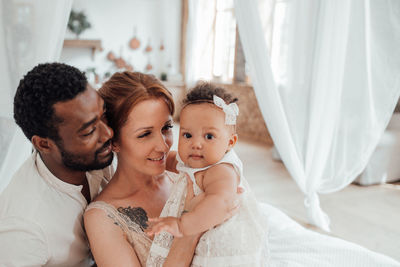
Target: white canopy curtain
[(199, 41), (31, 32), (332, 89)]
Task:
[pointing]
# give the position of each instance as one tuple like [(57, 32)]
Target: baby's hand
[(168, 224)]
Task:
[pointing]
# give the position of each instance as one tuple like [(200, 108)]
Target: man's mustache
[(106, 144)]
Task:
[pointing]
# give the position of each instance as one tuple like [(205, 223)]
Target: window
[(215, 52), (224, 41)]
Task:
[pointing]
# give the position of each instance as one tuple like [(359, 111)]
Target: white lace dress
[(240, 241), (134, 233)]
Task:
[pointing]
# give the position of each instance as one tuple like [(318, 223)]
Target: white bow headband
[(231, 111)]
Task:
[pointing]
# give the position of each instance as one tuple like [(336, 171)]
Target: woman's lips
[(159, 160)]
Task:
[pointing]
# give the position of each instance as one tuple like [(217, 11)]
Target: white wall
[(113, 22)]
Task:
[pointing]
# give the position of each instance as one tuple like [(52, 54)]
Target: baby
[(205, 153)]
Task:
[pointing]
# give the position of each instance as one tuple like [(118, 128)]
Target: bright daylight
[(246, 133)]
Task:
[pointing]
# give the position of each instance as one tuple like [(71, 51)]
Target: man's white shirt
[(41, 217)]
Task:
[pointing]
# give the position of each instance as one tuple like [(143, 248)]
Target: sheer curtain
[(199, 41), (333, 86), (31, 32)]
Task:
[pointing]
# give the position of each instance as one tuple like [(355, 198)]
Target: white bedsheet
[(293, 245)]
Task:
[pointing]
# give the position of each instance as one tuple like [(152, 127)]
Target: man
[(41, 209)]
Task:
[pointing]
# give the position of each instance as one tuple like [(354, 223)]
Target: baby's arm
[(220, 187)]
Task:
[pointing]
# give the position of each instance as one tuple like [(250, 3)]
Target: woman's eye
[(144, 134), (167, 127), (209, 136), (91, 132), (187, 135), (104, 118)]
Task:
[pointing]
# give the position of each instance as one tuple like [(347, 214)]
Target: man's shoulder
[(27, 173), (22, 196)]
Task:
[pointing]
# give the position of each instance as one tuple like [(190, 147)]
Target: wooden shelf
[(78, 43)]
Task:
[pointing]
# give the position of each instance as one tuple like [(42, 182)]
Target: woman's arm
[(107, 241)]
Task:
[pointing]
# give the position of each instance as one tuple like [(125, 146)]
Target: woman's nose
[(162, 144)]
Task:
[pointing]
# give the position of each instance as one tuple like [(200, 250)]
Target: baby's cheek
[(213, 157)]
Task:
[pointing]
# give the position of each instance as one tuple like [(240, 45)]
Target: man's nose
[(106, 132)]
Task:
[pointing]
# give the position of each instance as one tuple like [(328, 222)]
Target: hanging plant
[(148, 48), (162, 46), (111, 56), (134, 43), (120, 63), (148, 67), (78, 22)]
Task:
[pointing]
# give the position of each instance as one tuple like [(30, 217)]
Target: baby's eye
[(209, 136), (187, 135)]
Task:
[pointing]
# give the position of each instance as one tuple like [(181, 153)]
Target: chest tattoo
[(136, 215)]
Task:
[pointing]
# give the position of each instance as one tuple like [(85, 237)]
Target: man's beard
[(83, 163)]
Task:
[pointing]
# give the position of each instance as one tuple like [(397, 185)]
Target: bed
[(293, 245)]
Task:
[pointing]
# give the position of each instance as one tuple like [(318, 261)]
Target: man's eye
[(91, 132), (187, 135), (144, 134), (209, 136)]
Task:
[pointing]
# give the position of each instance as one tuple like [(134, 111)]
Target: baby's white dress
[(239, 241)]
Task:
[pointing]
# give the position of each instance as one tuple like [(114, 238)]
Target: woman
[(139, 110)]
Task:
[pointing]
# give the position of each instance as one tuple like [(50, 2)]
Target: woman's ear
[(115, 146), (232, 141)]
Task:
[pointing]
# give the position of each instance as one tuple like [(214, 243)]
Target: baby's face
[(203, 136)]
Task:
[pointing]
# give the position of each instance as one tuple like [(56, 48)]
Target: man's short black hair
[(37, 92)]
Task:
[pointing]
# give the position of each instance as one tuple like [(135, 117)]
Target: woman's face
[(146, 138)]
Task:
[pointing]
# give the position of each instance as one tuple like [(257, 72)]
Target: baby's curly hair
[(204, 92), (37, 92)]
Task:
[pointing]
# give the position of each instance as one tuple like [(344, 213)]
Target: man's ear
[(232, 141), (42, 144)]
